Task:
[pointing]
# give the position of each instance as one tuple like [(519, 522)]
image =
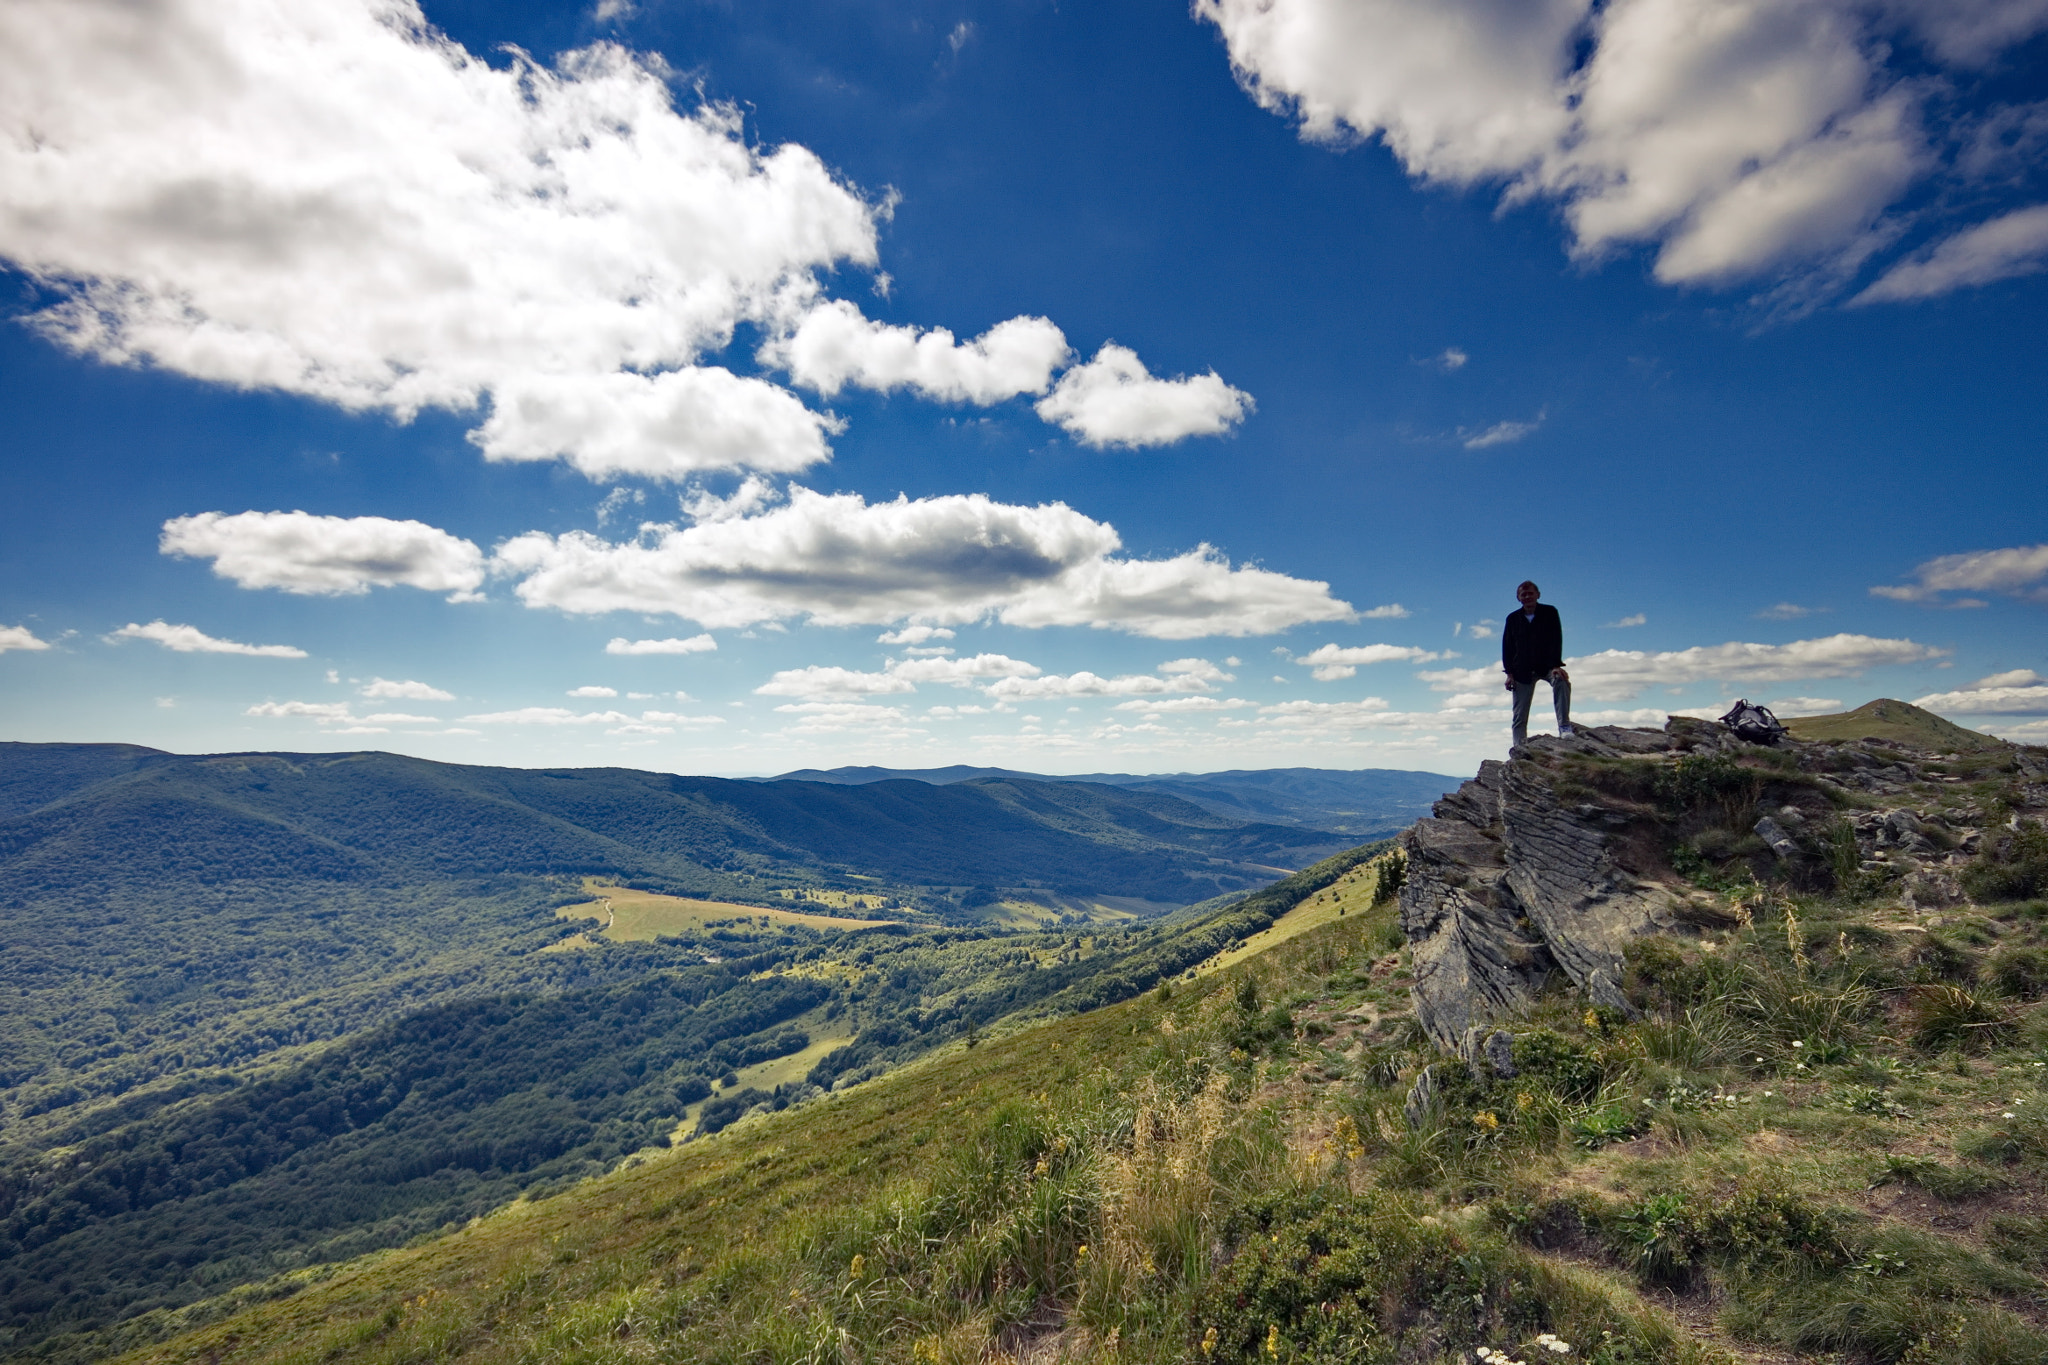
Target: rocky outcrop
[(1533, 870)]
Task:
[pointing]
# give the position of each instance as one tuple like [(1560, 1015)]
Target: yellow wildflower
[(1486, 1119)]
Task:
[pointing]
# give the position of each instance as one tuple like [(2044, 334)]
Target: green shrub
[(1325, 1276), (1934, 958), (1945, 1017), (2013, 865), (2021, 973), (1565, 1067)]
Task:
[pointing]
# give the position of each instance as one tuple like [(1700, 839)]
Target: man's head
[(1527, 595)]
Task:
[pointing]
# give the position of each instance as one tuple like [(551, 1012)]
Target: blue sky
[(733, 388)]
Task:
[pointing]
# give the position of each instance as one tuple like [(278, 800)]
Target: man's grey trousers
[(1560, 699)]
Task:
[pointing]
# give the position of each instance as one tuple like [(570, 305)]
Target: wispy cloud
[(694, 644), (192, 640), (1626, 622), (387, 690), (1329, 663), (1500, 433), (1787, 611), (2021, 571)]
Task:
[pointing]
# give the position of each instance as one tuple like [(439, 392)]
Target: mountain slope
[(443, 1114), (1365, 803)]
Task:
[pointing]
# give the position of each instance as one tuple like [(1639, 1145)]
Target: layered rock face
[(1549, 864)]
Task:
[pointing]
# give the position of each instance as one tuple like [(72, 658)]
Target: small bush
[(1945, 1017), (2012, 867), (1323, 1276), (2021, 973)]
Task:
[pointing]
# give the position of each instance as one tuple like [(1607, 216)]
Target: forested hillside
[(164, 912), (1362, 803), (188, 1187)]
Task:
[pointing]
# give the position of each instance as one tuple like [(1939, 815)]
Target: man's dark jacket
[(1530, 649)]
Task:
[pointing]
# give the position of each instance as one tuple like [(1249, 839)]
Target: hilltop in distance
[(1649, 1045)]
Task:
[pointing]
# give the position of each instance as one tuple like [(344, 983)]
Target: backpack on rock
[(1753, 723)]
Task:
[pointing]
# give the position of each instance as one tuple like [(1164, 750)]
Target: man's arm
[(1555, 643)]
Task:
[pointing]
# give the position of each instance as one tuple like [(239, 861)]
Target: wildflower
[(1273, 1341), (1209, 1342), (1553, 1343), (1485, 1119), (1592, 1020), (860, 1263), (1523, 1099), (1347, 1133), (1767, 1094), (2006, 1115), (1082, 1254), (1041, 1168), (1795, 1044)]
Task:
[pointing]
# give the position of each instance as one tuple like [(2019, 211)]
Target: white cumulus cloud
[(1176, 675), (593, 690), (323, 711), (1174, 706), (2021, 571), (2017, 692), (20, 637), (329, 198), (1734, 138), (901, 675), (830, 680), (1113, 400), (693, 644), (835, 347), (1626, 622), (913, 635), (1618, 674), (1331, 662), (385, 689), (332, 556), (839, 560), (192, 640)]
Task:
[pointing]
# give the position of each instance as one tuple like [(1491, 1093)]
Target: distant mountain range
[(142, 815), (1363, 803)]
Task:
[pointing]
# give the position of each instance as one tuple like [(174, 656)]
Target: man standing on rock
[(1532, 647)]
